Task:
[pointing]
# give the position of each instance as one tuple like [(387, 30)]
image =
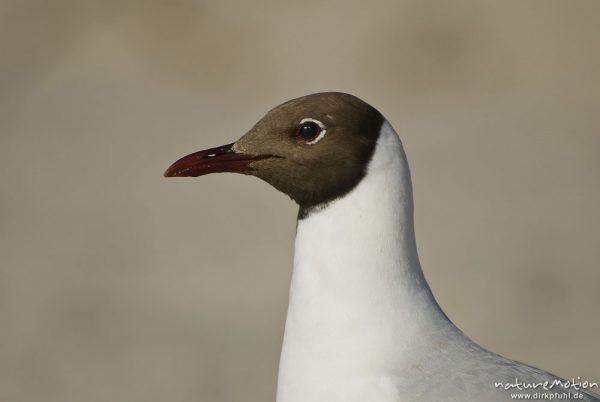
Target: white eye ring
[(321, 126)]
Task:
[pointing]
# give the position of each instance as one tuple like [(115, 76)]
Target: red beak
[(214, 160)]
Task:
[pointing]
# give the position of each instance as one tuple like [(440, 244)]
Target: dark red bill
[(214, 160)]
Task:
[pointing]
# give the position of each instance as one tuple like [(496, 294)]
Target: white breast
[(358, 295)]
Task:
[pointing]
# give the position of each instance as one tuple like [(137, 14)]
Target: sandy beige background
[(119, 285)]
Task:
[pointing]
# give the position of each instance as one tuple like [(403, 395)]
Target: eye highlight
[(311, 131)]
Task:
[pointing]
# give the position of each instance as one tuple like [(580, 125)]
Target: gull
[(362, 322)]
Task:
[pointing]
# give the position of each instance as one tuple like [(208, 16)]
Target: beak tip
[(168, 172)]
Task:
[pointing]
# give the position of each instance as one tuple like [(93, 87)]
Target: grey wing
[(484, 377), (499, 369)]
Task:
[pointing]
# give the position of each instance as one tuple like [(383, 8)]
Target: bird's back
[(464, 371)]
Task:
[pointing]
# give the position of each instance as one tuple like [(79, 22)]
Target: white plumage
[(362, 323)]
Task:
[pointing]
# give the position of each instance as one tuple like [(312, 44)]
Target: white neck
[(359, 303)]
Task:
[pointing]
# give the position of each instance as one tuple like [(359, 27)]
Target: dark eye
[(309, 131)]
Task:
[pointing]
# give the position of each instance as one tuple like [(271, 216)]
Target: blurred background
[(119, 285)]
